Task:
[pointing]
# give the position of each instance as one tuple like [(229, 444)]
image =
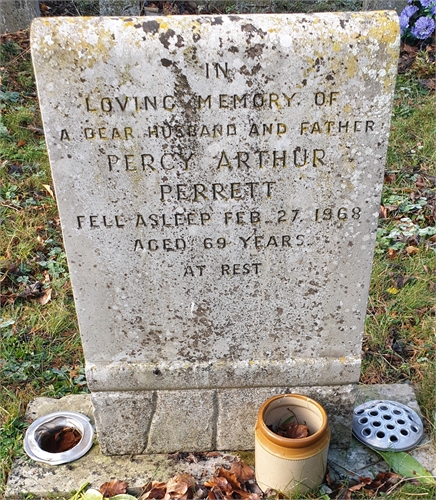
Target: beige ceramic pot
[(291, 465)]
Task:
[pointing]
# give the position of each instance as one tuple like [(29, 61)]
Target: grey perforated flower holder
[(387, 425)]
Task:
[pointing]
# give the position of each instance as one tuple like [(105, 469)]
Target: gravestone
[(218, 180), (17, 15)]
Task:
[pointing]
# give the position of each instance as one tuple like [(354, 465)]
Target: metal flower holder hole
[(59, 438)]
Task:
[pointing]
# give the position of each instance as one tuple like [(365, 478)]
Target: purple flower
[(405, 16), (433, 10), (423, 28), (426, 3)]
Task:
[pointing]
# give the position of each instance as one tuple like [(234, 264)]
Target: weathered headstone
[(17, 15), (218, 181)]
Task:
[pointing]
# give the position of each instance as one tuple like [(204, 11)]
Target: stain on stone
[(252, 30), (233, 49), (342, 23), (165, 38), (196, 37), (166, 62), (151, 27), (255, 50), (180, 41), (217, 20)]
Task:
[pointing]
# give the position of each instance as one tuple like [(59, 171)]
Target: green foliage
[(405, 465), (417, 21)]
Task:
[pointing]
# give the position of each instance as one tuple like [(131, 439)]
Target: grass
[(39, 341), (399, 343)]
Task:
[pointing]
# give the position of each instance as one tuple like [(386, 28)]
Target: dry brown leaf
[(44, 299), (220, 483), (21, 143), (296, 431), (178, 485), (390, 178), (242, 471), (411, 250), (154, 489), (428, 83), (34, 290), (392, 254), (230, 477), (112, 488), (49, 190), (216, 495), (410, 49), (383, 212), (345, 494), (384, 480)]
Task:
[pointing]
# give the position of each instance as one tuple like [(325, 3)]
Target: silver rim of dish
[(50, 423)]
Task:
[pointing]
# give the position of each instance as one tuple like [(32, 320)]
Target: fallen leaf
[(383, 481), (390, 178), (428, 83), (230, 477), (154, 489), (392, 290), (220, 483), (34, 290), (21, 143), (43, 299), (411, 250), (345, 494), (383, 214), (115, 487), (392, 254), (92, 494), (180, 484), (296, 431), (242, 471), (49, 190), (407, 466)]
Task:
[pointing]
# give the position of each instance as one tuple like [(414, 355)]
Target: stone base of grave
[(42, 481), (199, 420)]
